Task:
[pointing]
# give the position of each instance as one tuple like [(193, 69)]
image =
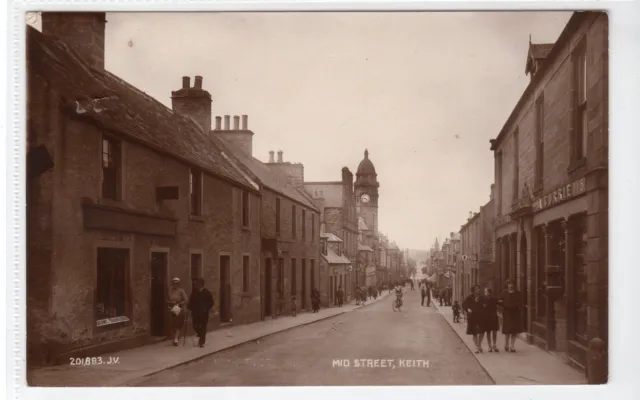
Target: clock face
[(365, 198)]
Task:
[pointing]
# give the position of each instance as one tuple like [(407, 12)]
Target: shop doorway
[(225, 289), (268, 284), (159, 290)]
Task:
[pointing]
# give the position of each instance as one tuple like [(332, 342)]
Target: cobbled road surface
[(372, 345)]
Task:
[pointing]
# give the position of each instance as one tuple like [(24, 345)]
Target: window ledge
[(246, 228), (196, 218)]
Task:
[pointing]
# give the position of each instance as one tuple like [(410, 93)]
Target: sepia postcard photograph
[(245, 199)]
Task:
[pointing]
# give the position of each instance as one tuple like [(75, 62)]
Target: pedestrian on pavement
[(511, 302), (200, 304), (474, 305), (315, 300), (456, 313), (423, 293), (340, 296), (428, 295), (491, 325), (176, 302)]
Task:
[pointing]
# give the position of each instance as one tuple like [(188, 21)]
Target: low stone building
[(289, 225), (122, 195), (551, 174)]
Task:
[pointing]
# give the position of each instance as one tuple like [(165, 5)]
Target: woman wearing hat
[(177, 300)]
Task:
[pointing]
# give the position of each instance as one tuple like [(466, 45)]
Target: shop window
[(579, 233), (112, 286)]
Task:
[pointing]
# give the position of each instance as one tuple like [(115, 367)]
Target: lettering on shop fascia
[(561, 194)]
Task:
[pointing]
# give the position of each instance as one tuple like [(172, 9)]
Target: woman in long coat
[(511, 302), (491, 324), (474, 306)]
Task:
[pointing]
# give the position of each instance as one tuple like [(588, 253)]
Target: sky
[(423, 92)]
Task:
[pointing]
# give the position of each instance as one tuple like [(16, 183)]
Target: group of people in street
[(199, 304), (364, 293), (481, 310)]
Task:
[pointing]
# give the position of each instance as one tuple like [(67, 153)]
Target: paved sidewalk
[(148, 360), (530, 365)]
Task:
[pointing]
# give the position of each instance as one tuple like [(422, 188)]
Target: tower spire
[(366, 153)]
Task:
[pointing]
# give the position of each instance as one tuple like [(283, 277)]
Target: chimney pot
[(186, 82), (279, 156), (271, 160), (198, 84), (236, 122), (227, 120), (218, 123), (245, 122)]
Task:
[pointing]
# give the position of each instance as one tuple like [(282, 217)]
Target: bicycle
[(396, 304)]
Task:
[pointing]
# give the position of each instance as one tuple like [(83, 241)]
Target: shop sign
[(561, 194), (110, 321)]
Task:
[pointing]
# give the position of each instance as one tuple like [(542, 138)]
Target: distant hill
[(418, 255)]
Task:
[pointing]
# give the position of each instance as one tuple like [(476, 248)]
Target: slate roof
[(118, 107), (272, 179), (333, 258), (331, 237)]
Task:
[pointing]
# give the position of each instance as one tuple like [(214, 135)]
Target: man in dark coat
[(200, 304)]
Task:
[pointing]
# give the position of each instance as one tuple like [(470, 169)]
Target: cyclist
[(399, 295)]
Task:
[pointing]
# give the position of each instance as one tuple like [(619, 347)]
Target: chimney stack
[(193, 102), (240, 139), (83, 32), (271, 160), (245, 122), (279, 156)]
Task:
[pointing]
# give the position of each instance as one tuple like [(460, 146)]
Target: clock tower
[(366, 192)]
